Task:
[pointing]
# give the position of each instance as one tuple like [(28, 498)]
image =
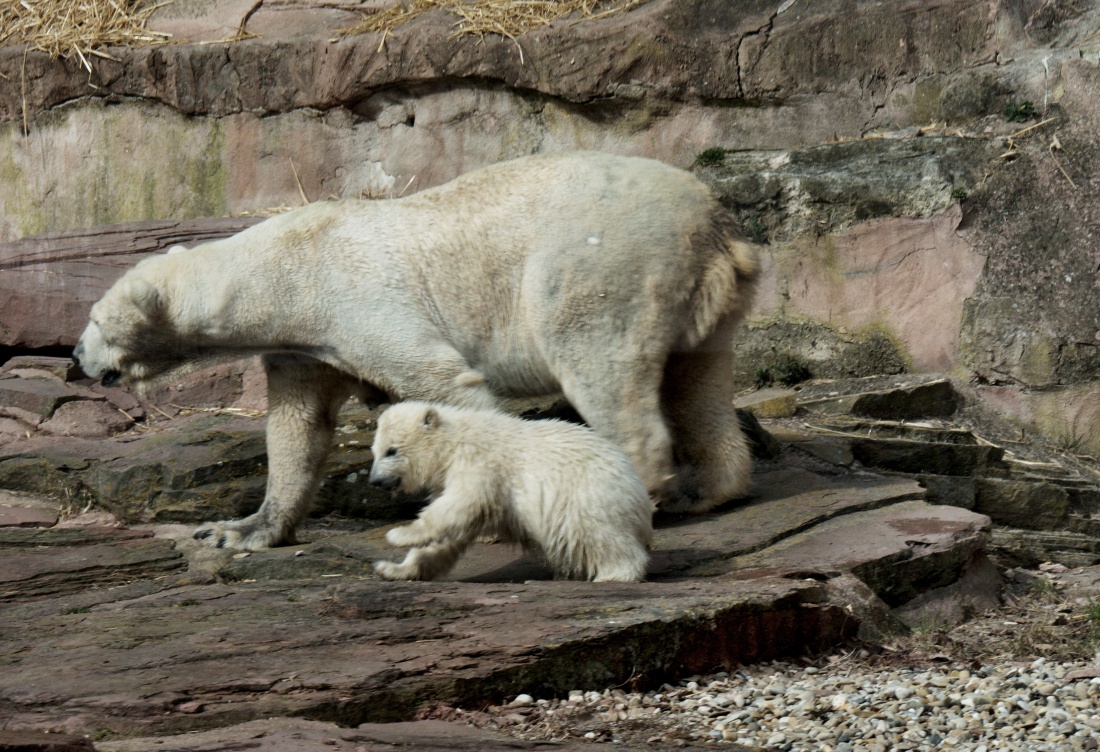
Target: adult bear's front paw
[(245, 535)]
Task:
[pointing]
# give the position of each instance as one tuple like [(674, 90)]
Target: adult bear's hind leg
[(713, 461), (304, 397), (623, 405)]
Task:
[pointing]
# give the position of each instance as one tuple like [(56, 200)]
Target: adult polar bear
[(616, 281)]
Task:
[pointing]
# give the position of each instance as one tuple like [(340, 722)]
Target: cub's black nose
[(385, 482)]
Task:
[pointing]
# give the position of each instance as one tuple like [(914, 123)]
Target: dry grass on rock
[(508, 18), (64, 28)]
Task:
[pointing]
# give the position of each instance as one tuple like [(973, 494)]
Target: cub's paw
[(409, 536), (245, 535), (389, 570)]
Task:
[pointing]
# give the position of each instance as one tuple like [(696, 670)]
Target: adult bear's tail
[(725, 286)]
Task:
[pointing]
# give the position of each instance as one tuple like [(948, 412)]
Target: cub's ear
[(175, 249), (431, 419), (145, 297)]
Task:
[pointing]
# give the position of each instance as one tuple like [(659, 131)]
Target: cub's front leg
[(427, 563), (304, 397), (414, 535)]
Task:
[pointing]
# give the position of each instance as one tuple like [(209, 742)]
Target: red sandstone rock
[(90, 419), (40, 397), (26, 517), (49, 283)]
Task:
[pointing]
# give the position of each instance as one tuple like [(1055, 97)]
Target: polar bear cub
[(565, 494)]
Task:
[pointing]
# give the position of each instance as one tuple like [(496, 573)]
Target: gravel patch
[(1024, 677), (1039, 706)]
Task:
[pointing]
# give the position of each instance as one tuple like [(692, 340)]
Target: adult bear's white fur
[(568, 496), (616, 281)]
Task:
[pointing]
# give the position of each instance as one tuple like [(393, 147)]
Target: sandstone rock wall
[(909, 225)]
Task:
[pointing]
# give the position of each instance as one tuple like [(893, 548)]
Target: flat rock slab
[(784, 503), (209, 465), (899, 551), (300, 735), (883, 398), (32, 741), (39, 563), (368, 651), (24, 517)]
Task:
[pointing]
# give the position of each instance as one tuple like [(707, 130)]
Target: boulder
[(769, 403), (39, 397), (87, 419)]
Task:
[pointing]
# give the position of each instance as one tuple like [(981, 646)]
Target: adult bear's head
[(131, 337)]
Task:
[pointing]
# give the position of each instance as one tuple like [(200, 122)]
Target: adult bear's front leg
[(304, 397)]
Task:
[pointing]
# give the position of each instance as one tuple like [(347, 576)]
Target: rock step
[(1030, 548), (220, 654), (899, 551), (907, 397), (955, 466), (854, 427)]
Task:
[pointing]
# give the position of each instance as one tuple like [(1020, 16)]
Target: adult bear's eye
[(391, 452)]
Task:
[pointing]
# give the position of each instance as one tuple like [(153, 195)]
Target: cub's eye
[(391, 452)]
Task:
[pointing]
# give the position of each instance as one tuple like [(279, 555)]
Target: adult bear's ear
[(431, 419), (145, 297)]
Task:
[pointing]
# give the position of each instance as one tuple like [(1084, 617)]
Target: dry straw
[(63, 28), (508, 18)]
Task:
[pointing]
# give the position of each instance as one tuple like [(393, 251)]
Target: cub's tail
[(725, 287)]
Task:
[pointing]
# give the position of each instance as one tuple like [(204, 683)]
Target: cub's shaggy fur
[(615, 281), (566, 495)]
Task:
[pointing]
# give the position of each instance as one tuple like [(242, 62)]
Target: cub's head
[(406, 448), (130, 338)]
